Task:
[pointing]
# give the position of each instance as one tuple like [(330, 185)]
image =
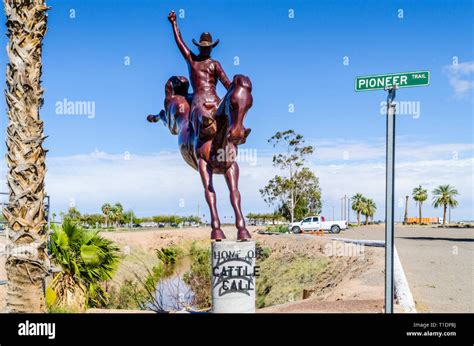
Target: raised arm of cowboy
[(177, 36)]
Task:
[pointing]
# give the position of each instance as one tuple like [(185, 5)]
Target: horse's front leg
[(232, 179), (206, 176)]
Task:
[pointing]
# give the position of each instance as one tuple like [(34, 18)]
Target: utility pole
[(405, 219), (345, 210), (342, 208), (348, 210)]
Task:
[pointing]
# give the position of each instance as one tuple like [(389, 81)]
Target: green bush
[(130, 295), (199, 275), (277, 228), (262, 252), (169, 255)]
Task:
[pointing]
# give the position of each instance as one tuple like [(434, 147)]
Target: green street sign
[(402, 80)]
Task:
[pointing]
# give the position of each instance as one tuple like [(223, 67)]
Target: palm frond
[(87, 258)]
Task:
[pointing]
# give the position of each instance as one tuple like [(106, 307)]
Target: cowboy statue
[(209, 128)]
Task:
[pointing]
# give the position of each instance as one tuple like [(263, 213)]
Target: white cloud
[(369, 179), (407, 149), (155, 183), (460, 78)]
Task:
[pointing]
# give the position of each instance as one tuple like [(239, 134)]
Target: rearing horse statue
[(208, 128)]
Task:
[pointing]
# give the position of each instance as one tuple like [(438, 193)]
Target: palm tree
[(369, 209), (116, 213), (86, 260), (106, 208), (364, 210), (444, 195), (358, 205), (26, 262), (420, 195)]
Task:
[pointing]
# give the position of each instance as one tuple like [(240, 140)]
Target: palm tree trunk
[(358, 218), (366, 219), (26, 262), (444, 213)]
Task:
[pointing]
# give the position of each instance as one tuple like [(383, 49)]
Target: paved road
[(438, 263)]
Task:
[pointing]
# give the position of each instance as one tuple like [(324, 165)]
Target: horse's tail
[(177, 85), (154, 118)]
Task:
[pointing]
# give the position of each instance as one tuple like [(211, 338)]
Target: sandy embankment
[(355, 283)]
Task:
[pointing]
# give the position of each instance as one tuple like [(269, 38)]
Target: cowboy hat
[(206, 40)]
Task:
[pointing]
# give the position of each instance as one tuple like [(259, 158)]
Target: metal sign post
[(391, 82), (389, 200)]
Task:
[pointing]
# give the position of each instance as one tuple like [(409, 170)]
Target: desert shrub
[(277, 228), (198, 277), (169, 255), (262, 252)]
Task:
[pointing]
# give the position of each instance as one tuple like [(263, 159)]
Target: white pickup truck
[(317, 223)]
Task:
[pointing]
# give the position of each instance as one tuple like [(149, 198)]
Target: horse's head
[(240, 101)]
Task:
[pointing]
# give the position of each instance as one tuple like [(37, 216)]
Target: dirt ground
[(359, 280), (359, 286)]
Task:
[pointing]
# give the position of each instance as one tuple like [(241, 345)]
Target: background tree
[(444, 195), (420, 195), (92, 220), (26, 261), (299, 184), (73, 214), (127, 217), (358, 204), (369, 208), (116, 213)]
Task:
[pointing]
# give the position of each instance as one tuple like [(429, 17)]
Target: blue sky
[(296, 61)]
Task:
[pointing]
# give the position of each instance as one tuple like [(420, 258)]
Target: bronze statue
[(208, 128)]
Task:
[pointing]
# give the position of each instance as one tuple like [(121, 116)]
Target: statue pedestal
[(233, 277)]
